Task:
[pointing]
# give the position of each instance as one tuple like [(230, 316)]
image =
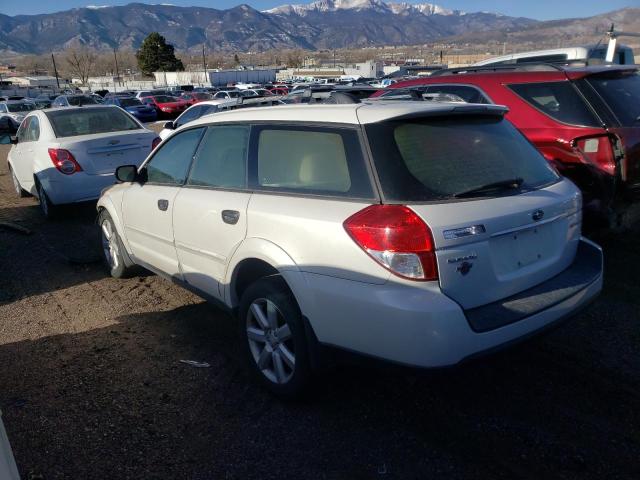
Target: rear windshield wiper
[(510, 184)]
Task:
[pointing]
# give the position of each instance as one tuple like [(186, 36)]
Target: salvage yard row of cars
[(436, 221)]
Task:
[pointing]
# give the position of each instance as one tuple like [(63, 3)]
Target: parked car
[(582, 119), (279, 91), (166, 106), (44, 101), (623, 55), (194, 112), (222, 94), (16, 110), (135, 107), (74, 101), (150, 93), (68, 155), (194, 97), (466, 240)]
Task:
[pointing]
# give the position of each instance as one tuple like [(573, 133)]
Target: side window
[(188, 116), (462, 92), (23, 130), (221, 160), (315, 160), (3, 108), (559, 100), (33, 130), (171, 162)]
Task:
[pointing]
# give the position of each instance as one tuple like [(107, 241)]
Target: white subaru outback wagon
[(422, 234)]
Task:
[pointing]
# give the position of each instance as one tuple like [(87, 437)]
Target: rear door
[(210, 213), (148, 207), (501, 218), (23, 155)]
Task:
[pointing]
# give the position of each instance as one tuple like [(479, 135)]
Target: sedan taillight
[(63, 161)]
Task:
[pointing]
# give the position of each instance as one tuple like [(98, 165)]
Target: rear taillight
[(598, 150), (397, 238), (63, 160), (155, 143)]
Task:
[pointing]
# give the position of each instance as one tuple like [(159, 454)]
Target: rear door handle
[(230, 216), (163, 204)]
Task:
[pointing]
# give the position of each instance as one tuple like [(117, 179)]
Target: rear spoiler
[(469, 109)]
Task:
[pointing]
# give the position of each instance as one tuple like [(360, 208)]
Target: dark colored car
[(73, 101), (44, 101), (135, 107), (166, 106), (584, 120)]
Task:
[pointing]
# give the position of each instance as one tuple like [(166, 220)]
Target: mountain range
[(319, 25), (323, 24)]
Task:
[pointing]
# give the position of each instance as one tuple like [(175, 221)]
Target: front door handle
[(163, 204), (230, 216)]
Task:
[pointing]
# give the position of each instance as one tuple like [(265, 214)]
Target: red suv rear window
[(558, 100)]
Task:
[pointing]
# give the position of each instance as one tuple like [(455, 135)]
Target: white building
[(368, 69), (35, 81), (214, 77)]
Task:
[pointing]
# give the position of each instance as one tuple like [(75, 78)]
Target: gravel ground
[(91, 384)]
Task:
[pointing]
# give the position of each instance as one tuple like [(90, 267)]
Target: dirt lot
[(91, 386)]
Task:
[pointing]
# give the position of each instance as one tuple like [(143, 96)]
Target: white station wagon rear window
[(89, 121)]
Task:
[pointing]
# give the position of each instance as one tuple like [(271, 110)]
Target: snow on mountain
[(403, 8)]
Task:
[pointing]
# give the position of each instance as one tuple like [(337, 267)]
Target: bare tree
[(81, 63)]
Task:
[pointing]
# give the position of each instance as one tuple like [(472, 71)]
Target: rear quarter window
[(558, 100), (313, 160)]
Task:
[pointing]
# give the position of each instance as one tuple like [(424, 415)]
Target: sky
[(538, 9)]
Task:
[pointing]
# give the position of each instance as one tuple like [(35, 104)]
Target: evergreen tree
[(155, 54)]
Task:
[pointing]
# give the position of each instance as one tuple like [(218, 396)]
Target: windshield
[(129, 102), (81, 100), (70, 123), (431, 159), (20, 107), (622, 94), (165, 99)]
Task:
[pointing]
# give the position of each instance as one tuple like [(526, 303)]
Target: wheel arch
[(105, 203)]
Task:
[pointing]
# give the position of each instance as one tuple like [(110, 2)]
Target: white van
[(623, 55)]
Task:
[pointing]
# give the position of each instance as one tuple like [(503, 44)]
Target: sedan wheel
[(115, 256), (47, 209)]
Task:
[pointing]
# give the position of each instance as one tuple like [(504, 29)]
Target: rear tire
[(114, 255), (48, 209), (273, 338), (16, 185)]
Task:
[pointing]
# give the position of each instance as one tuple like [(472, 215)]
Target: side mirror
[(13, 139), (169, 126), (126, 173)]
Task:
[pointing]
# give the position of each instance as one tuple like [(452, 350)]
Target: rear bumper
[(78, 187), (420, 326)]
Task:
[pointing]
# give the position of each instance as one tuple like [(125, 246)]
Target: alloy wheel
[(270, 341), (110, 246)]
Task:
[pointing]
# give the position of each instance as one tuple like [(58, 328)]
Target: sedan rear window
[(440, 158), (81, 100), (129, 102), (622, 94), (559, 100), (89, 121)]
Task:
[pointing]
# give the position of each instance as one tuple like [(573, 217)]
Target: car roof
[(83, 107), (358, 113)]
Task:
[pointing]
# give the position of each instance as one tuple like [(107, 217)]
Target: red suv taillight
[(598, 150), (63, 160), (155, 143), (397, 238)]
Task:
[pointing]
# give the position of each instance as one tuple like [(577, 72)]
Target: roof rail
[(520, 67)]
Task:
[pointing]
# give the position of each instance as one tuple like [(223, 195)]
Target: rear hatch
[(502, 220), (100, 138), (620, 90)]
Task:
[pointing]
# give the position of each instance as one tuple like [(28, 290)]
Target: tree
[(156, 54), (80, 63)]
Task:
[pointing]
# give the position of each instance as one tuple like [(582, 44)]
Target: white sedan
[(69, 155)]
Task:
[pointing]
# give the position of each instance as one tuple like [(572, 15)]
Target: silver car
[(416, 232)]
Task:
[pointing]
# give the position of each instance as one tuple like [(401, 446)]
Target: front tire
[(114, 254), (274, 339)]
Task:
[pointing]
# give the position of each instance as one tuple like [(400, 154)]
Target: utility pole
[(204, 65), (53, 59), (115, 57)]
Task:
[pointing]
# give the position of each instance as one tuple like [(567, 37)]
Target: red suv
[(584, 120)]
